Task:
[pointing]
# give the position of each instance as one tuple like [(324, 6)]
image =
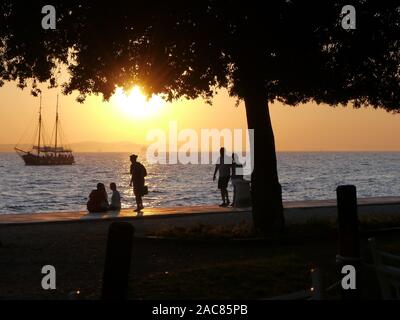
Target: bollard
[(242, 197), (348, 237), (117, 261)]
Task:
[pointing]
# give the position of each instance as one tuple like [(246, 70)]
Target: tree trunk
[(266, 191)]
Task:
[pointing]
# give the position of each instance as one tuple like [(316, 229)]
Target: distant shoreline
[(282, 151)]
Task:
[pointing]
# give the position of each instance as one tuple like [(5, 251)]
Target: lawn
[(198, 262)]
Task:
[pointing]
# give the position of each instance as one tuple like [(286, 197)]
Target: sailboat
[(47, 155)]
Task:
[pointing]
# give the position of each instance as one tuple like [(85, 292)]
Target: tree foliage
[(298, 49)]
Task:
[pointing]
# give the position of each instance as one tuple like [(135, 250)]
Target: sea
[(303, 176)]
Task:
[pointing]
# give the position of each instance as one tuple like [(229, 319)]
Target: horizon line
[(278, 151)]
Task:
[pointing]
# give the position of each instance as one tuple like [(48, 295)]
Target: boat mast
[(40, 123), (55, 144)]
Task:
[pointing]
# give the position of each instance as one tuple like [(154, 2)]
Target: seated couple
[(98, 199)]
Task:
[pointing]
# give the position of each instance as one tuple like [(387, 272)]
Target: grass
[(203, 231), (250, 279), (275, 270), (244, 230), (267, 272), (376, 222), (181, 269)]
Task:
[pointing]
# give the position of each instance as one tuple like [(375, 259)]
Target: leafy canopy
[(296, 48)]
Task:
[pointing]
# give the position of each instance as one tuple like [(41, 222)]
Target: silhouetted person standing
[(224, 168), (138, 172)]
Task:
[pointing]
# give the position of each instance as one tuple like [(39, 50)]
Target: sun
[(135, 104)]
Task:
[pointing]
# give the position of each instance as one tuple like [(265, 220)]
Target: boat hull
[(35, 160)]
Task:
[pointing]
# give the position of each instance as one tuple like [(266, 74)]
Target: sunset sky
[(304, 128)]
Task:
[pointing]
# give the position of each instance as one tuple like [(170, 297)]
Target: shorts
[(223, 182), (138, 190)]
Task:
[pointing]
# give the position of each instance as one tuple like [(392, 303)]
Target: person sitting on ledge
[(98, 199), (115, 198)]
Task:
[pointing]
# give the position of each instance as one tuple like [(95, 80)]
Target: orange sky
[(304, 128)]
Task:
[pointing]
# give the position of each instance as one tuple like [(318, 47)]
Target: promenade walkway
[(295, 212)]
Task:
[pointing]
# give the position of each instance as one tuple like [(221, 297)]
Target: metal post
[(117, 261), (348, 236)]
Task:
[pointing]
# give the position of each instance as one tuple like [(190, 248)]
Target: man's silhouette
[(224, 168), (138, 172)]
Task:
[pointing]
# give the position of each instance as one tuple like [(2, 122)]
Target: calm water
[(303, 176)]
